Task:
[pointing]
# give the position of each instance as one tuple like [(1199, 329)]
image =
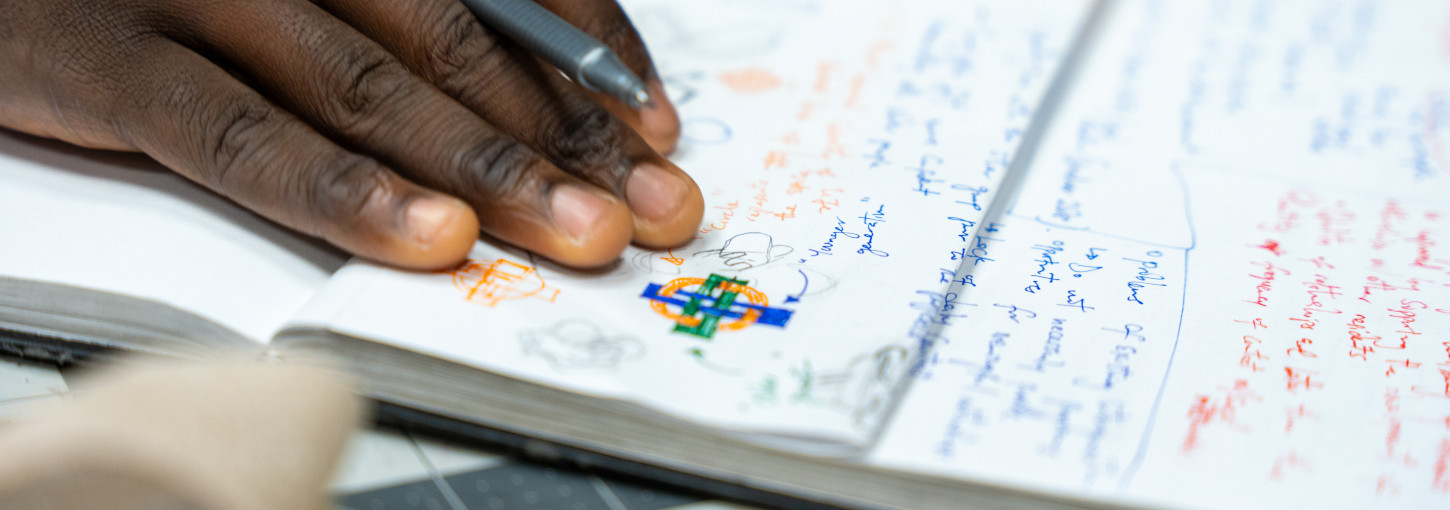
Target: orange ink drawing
[(491, 282), (672, 258), (751, 80)]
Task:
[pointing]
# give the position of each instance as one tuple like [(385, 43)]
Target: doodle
[(682, 87), (820, 283), (715, 298), (864, 387), (795, 298), (654, 262), (699, 355), (579, 344), (748, 251), (491, 282)]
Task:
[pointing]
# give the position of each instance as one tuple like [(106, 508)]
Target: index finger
[(604, 20)]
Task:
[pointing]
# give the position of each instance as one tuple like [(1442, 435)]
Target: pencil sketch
[(747, 251), (864, 387), (814, 282), (579, 344)]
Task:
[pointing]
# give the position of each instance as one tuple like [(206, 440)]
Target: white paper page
[(121, 223), (1204, 302), (845, 149)]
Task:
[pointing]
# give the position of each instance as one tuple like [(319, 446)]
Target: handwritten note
[(1225, 282)]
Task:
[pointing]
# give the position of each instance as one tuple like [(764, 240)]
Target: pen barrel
[(543, 33)]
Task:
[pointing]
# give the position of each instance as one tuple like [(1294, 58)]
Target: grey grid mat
[(516, 485)]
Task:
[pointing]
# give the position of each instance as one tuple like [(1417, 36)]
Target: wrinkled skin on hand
[(394, 129)]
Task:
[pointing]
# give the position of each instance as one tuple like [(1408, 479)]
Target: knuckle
[(586, 137), (236, 134), (179, 90), (341, 190), (369, 80), (498, 168), (460, 45)]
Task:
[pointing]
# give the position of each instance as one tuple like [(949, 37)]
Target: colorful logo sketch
[(707, 305), (491, 282)]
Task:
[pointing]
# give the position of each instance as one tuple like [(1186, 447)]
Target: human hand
[(393, 129)]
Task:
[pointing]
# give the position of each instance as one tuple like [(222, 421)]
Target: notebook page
[(845, 150), (1224, 282), (121, 223)]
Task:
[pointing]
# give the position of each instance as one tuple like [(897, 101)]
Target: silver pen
[(582, 58)]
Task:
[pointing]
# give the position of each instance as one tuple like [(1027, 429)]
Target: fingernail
[(577, 210), (656, 117), (653, 192), (427, 217)]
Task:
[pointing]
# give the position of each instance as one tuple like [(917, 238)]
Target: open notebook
[(956, 254)]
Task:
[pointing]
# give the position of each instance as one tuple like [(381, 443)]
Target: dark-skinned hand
[(394, 129)]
